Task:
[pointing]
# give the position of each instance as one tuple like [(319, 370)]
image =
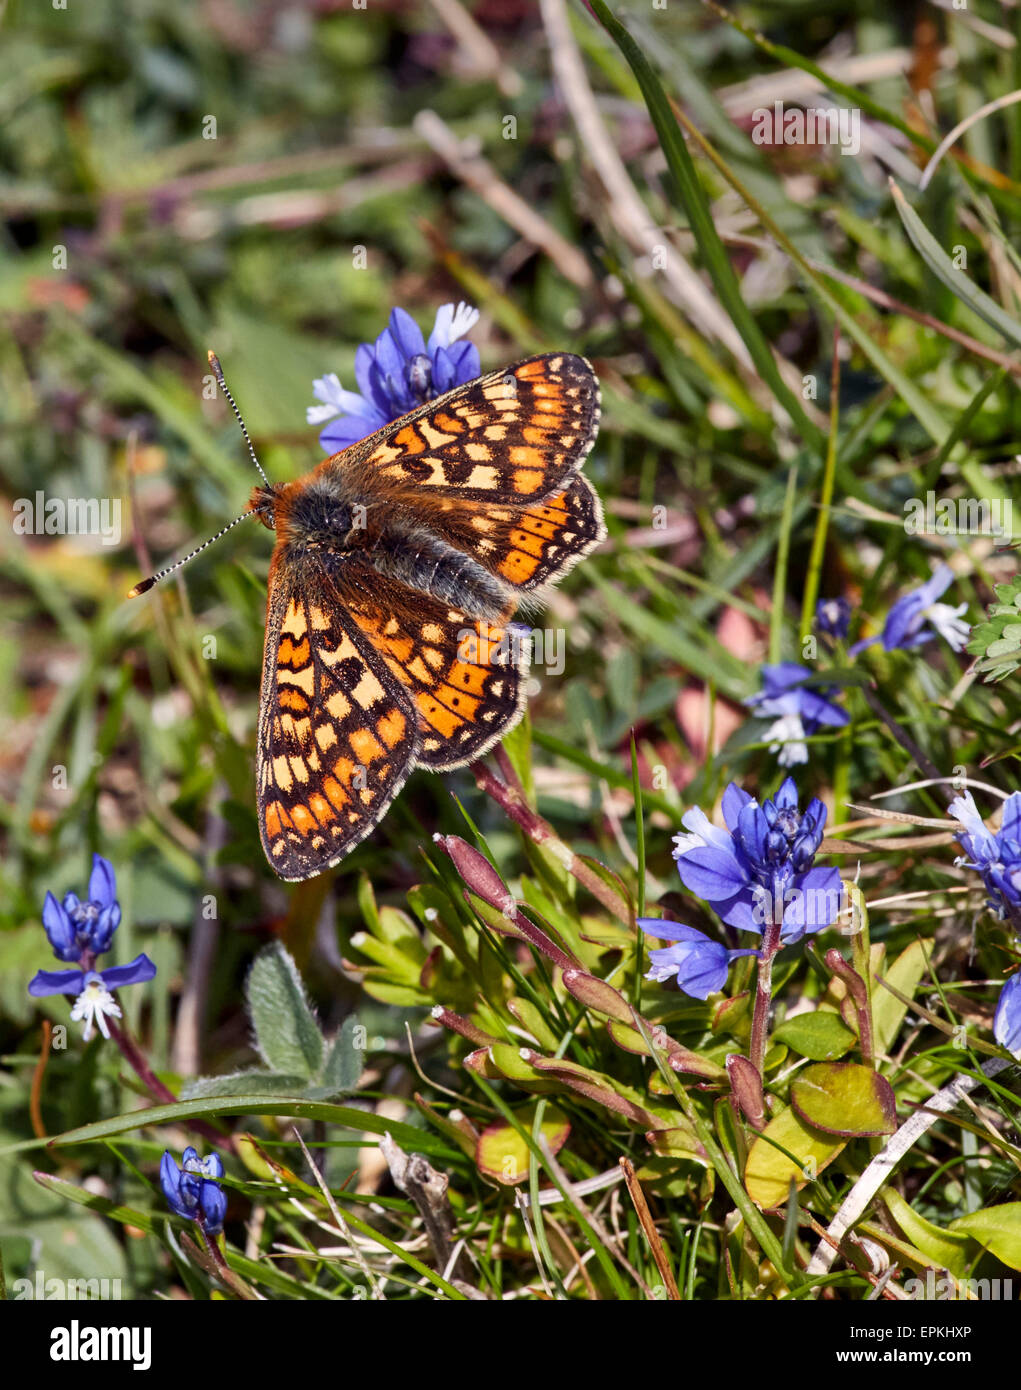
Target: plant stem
[(132, 1054), (135, 1059), (541, 833), (764, 995)]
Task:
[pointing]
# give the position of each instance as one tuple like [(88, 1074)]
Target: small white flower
[(452, 324), (95, 1004), (335, 400), (949, 624), (326, 389), (787, 737), (702, 832)]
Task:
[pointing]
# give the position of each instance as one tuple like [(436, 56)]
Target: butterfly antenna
[(214, 362), (147, 584)]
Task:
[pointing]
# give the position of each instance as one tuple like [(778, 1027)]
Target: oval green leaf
[(821, 1036), (997, 1229), (845, 1098), (787, 1148)]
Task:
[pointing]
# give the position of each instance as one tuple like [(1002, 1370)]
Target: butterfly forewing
[(338, 732), (513, 436)]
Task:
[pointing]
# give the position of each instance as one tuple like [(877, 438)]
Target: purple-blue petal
[(711, 873), (814, 903), (60, 931), (666, 930), (443, 375), (735, 799), (102, 882), (136, 972), (57, 982), (1007, 1019), (1010, 825), (406, 334), (345, 430)]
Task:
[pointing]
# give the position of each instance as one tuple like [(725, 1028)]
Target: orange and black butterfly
[(398, 565)]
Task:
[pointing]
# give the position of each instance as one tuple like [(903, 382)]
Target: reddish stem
[(135, 1059), (764, 995), (513, 802)]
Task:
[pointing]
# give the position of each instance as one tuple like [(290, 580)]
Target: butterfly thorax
[(331, 518)]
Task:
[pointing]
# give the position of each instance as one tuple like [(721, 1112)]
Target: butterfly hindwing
[(464, 675), (528, 546), (338, 732)]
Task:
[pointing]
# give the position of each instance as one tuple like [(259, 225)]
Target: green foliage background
[(247, 242)]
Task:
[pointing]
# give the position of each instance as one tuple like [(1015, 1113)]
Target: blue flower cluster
[(799, 710), (81, 931), (833, 617), (757, 872), (193, 1190), (397, 373), (997, 857), (905, 626)]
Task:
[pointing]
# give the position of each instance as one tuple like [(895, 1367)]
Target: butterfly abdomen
[(423, 561)]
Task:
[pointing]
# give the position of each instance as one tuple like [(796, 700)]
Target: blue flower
[(95, 1002), (799, 710), (997, 857), (905, 623), (396, 374), (77, 928), (699, 963), (760, 869), (192, 1190), (833, 616), (1007, 1019)]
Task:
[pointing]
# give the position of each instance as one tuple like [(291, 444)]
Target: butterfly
[(397, 567)]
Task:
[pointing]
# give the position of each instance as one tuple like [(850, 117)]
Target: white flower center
[(95, 1004), (949, 624), (787, 738)]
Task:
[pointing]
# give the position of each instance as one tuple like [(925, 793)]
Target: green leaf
[(286, 1033), (244, 1083), (945, 1249), (291, 1107), (820, 1036), (786, 1149), (845, 1098), (997, 1229), (944, 269), (502, 1153), (887, 1010), (342, 1067)]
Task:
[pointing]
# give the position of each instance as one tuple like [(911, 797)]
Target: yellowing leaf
[(997, 1229), (768, 1172), (845, 1098), (887, 1010), (502, 1153)]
